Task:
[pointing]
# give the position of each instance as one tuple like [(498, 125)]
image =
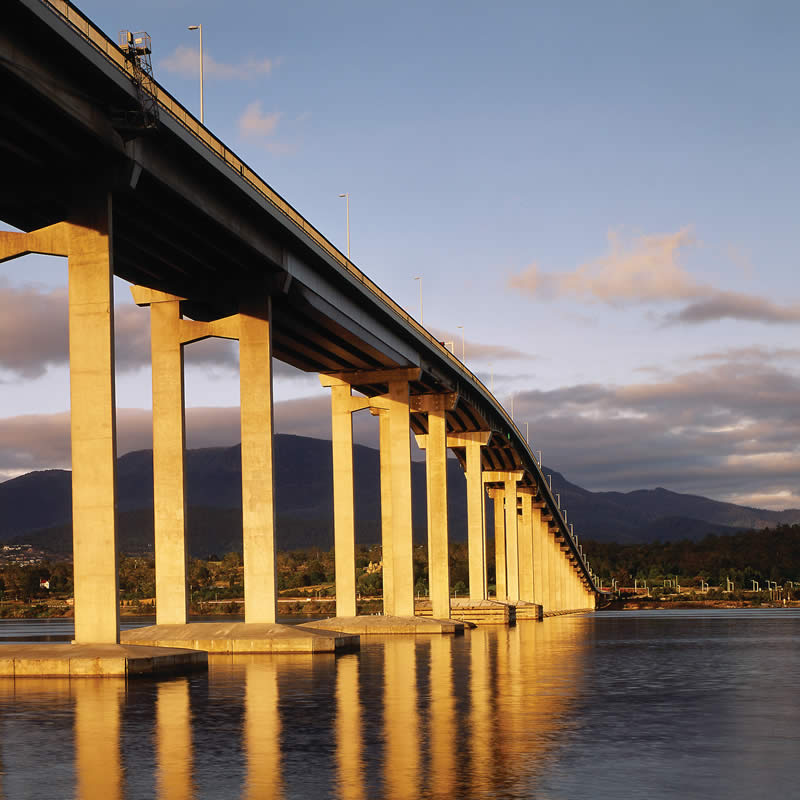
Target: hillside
[(36, 507)]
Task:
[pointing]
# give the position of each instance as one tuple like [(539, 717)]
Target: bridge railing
[(80, 23)]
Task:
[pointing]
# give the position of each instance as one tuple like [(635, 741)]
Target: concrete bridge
[(102, 166)]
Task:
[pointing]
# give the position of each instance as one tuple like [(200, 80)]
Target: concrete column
[(258, 505), (93, 426), (86, 240), (386, 513), (438, 556), (525, 539), (501, 585), (512, 545), (169, 445), (538, 555), (552, 575), (344, 529), (476, 514), (558, 572), (400, 467)]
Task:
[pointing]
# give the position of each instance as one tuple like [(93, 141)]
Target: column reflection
[(401, 719), (442, 717), (174, 741), (262, 729), (97, 737), (350, 765), (480, 714)]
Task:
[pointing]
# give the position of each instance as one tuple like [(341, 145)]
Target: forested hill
[(772, 553), (36, 507)]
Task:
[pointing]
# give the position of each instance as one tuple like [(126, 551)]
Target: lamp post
[(419, 278), (200, 28), (346, 196), (461, 327)]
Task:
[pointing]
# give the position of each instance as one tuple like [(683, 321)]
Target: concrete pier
[(243, 637), (379, 625), (96, 661)]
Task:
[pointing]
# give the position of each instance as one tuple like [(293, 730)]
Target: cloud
[(34, 335), (185, 61), (42, 441), (479, 351), (734, 305), (648, 269), (644, 269), (254, 122), (33, 329), (727, 431)]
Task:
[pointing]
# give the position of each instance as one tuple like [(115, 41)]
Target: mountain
[(36, 507)]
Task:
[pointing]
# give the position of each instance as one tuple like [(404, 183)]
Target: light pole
[(346, 196), (200, 28), (491, 377), (461, 327), (419, 278)]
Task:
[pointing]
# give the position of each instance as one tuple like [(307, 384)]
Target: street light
[(461, 327), (346, 196), (419, 278), (200, 28)]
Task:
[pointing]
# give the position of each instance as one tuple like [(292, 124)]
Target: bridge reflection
[(409, 717)]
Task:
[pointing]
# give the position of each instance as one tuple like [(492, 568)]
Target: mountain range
[(36, 508)]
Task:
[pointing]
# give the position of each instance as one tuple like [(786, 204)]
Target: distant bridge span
[(214, 251)]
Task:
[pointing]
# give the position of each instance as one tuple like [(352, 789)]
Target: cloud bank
[(728, 429), (648, 270)]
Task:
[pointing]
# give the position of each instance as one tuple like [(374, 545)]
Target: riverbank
[(645, 603)]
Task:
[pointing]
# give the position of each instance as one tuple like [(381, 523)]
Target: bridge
[(101, 165)]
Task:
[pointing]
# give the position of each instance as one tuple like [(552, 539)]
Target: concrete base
[(96, 661), (244, 637), (381, 625), (567, 611), (480, 612), (526, 610)]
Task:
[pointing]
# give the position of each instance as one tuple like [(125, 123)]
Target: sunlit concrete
[(343, 404), (96, 660), (86, 241), (243, 637), (378, 625), (474, 612), (258, 487)]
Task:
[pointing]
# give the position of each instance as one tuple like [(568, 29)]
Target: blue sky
[(604, 194)]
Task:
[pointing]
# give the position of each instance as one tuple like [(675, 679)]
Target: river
[(656, 705)]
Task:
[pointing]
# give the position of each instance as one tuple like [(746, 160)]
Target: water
[(653, 705)]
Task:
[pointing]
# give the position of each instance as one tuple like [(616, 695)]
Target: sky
[(603, 195)]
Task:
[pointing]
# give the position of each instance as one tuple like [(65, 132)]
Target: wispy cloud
[(649, 270), (254, 122), (721, 305), (185, 61), (642, 269), (480, 351)]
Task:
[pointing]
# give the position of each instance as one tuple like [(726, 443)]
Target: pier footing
[(567, 611), (476, 612), (244, 637), (380, 625), (526, 610), (48, 660)]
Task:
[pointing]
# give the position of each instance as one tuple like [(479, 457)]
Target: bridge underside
[(192, 223)]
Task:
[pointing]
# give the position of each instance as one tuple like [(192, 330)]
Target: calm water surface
[(650, 705)]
